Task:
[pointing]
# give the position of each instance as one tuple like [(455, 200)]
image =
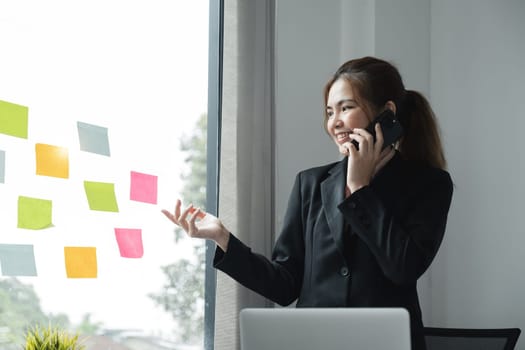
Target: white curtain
[(246, 165)]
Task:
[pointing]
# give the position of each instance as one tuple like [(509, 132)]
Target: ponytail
[(421, 141)]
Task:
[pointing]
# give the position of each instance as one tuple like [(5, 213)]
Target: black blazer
[(367, 250)]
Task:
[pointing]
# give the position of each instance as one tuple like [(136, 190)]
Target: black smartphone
[(391, 127)]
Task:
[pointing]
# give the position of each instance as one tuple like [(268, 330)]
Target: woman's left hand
[(364, 162)]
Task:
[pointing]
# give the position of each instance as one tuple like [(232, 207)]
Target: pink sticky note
[(143, 187), (129, 242)]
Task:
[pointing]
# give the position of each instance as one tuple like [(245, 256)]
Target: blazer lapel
[(332, 193)]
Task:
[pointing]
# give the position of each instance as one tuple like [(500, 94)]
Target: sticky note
[(34, 213), (13, 119), (2, 166), (129, 242), (52, 160), (143, 187), (93, 138), (101, 196), (81, 262), (17, 260)]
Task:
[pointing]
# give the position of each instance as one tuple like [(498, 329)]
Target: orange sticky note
[(52, 161), (129, 242), (81, 262)]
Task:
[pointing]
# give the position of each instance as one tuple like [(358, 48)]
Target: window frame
[(215, 55)]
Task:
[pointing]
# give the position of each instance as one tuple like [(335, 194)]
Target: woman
[(361, 231)]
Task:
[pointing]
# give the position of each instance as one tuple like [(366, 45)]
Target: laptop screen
[(324, 329)]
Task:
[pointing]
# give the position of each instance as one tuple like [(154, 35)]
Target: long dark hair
[(375, 82)]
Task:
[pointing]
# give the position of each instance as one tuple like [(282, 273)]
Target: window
[(103, 108)]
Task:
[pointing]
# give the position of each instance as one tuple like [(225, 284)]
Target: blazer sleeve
[(279, 278), (404, 242)]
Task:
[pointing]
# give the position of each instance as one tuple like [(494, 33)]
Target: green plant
[(51, 338)]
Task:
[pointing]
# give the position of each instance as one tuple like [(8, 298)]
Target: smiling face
[(343, 112)]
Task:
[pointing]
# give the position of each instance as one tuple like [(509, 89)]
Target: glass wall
[(102, 124)]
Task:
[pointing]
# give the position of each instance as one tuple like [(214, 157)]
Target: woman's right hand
[(199, 224)]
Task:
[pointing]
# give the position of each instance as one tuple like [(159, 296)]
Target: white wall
[(477, 88), (467, 57)]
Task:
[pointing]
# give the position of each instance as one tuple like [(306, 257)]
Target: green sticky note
[(34, 213), (101, 196), (2, 166), (13, 119)]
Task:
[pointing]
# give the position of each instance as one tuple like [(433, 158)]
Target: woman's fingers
[(187, 218), (366, 140), (363, 138), (169, 215), (191, 222), (199, 224), (200, 215), (183, 222), (174, 217), (178, 203), (343, 149), (360, 141)]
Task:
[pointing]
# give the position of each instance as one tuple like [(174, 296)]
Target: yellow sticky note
[(81, 262), (101, 196), (13, 119), (52, 161), (34, 213)]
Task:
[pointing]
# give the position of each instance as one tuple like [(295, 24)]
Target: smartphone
[(391, 127)]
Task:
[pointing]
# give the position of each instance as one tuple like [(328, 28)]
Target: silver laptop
[(325, 329)]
